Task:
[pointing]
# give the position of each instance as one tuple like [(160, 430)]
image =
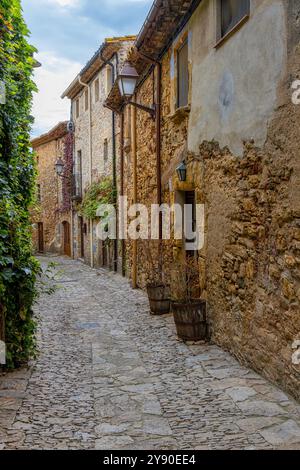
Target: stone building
[(96, 157), (51, 214), (220, 76)]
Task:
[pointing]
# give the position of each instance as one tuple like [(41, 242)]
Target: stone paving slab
[(111, 376)]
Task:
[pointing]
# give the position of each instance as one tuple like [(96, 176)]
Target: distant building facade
[(96, 155), (51, 214)]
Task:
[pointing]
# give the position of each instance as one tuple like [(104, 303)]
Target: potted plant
[(157, 290), (188, 308)]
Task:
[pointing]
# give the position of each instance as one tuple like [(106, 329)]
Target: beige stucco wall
[(233, 93)]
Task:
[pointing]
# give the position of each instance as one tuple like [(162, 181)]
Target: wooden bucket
[(190, 320), (158, 299)]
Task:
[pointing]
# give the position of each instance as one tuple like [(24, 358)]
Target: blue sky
[(67, 33)]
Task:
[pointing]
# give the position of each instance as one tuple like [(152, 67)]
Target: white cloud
[(52, 79), (65, 3)]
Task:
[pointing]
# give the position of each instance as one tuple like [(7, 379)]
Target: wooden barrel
[(190, 320), (158, 299)]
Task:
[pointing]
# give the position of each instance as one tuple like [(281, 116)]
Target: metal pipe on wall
[(134, 170), (123, 247), (158, 160), (158, 141), (114, 70), (90, 164)]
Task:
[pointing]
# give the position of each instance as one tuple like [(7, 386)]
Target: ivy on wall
[(101, 192), (68, 171), (18, 268)]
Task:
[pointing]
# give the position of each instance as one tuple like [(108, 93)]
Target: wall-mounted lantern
[(127, 81), (59, 167), (181, 171)]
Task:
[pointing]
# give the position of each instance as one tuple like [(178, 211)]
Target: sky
[(66, 34)]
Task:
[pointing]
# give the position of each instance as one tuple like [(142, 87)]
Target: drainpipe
[(158, 162), (90, 163), (122, 185), (158, 141), (158, 130), (72, 211), (134, 168), (114, 73)]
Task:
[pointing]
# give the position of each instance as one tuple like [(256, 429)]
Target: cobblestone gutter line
[(110, 376)]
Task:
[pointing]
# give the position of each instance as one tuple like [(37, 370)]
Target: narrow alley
[(110, 376)]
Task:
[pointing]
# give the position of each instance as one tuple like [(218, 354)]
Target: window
[(77, 182), (183, 75), (105, 149), (108, 80), (77, 108), (86, 100), (97, 90), (39, 194), (231, 13)]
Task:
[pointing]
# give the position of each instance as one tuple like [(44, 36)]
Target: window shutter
[(183, 75)]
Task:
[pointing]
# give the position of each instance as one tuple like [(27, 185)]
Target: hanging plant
[(100, 192)]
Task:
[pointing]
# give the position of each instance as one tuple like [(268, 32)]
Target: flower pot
[(158, 299), (190, 320)]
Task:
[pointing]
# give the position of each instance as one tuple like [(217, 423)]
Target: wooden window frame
[(97, 90), (39, 193), (108, 79), (77, 108), (183, 43), (105, 150), (223, 38), (86, 100)]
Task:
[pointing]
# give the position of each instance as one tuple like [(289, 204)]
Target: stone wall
[(249, 265), (102, 166), (48, 210), (253, 263)]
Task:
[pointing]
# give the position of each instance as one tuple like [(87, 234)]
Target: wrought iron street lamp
[(127, 81), (60, 166), (181, 171)]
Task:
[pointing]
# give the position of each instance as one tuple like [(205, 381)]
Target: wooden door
[(67, 239), (41, 237)]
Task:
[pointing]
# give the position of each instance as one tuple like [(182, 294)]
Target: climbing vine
[(101, 192), (68, 170), (18, 268)]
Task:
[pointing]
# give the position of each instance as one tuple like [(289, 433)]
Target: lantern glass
[(59, 166), (127, 86), (181, 172), (127, 80)]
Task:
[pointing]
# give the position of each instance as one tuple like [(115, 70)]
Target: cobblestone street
[(110, 376)]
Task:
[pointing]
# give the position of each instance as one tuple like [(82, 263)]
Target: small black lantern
[(181, 171)]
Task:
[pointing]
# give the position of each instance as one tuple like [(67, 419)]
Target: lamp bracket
[(151, 110)]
